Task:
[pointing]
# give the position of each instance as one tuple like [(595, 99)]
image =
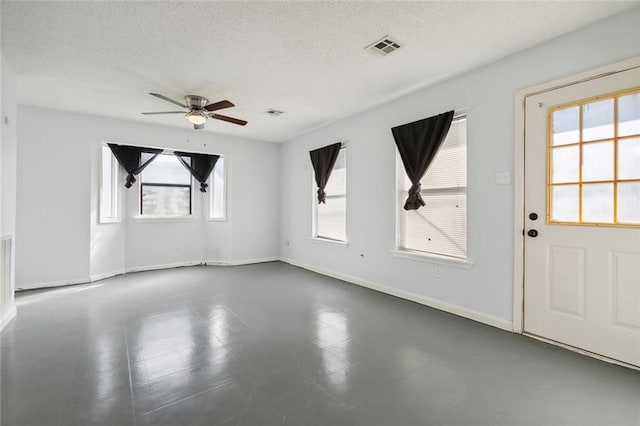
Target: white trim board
[(6, 315), (423, 300), (518, 172), (105, 275)]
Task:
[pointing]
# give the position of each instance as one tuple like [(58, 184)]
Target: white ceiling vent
[(384, 46), (273, 112)]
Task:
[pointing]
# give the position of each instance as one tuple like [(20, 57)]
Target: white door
[(582, 180)]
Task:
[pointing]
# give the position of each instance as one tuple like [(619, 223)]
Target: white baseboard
[(6, 314), (252, 261), (105, 275), (241, 262), (423, 300), (163, 266)]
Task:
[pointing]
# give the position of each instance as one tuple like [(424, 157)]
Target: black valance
[(418, 143), (200, 166), (130, 158), (323, 159)]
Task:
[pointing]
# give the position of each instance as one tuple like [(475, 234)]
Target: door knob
[(532, 233), (533, 216)]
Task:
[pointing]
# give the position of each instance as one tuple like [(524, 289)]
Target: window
[(217, 191), (594, 161), (109, 186), (165, 188), (440, 227), (330, 217)]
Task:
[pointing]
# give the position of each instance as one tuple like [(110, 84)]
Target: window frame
[(116, 208), (401, 194), (225, 187), (141, 184), (314, 200), (614, 181)]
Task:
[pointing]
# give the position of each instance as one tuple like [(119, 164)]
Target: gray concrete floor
[(271, 344)]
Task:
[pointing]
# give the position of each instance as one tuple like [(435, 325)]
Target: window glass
[(165, 188), (330, 217), (217, 187), (109, 173), (440, 227)]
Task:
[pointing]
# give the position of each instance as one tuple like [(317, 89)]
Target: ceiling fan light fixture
[(196, 117)]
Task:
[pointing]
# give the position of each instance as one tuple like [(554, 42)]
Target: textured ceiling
[(305, 58)]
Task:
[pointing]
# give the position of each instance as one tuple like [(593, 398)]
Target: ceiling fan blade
[(198, 126), (228, 119), (164, 112), (218, 105), (157, 95)]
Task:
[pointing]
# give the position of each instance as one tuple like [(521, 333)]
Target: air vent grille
[(274, 112), (384, 46)]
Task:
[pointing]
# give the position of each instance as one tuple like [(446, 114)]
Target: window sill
[(326, 241), (107, 220), (433, 258), (164, 218), (217, 219)]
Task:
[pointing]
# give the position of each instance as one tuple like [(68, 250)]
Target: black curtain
[(201, 166), (130, 158), (418, 143), (323, 160)]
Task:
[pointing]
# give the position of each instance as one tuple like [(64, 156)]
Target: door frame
[(519, 173)]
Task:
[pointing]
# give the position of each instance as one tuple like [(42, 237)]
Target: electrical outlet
[(438, 272)]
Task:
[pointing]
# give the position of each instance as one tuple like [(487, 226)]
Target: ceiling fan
[(199, 110)]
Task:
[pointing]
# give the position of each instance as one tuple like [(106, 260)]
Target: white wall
[(65, 240), (8, 137), (485, 290)]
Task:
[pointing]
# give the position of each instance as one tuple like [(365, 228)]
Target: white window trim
[(433, 258), (314, 212), (225, 205), (115, 169), (329, 241), (423, 256)]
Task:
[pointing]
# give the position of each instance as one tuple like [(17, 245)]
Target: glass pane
[(565, 203), (440, 227), (629, 159), (337, 184), (165, 200), (106, 196), (597, 203), (166, 169), (597, 161), (566, 126), (597, 120), (629, 115), (629, 202), (217, 190), (566, 164), (331, 220)]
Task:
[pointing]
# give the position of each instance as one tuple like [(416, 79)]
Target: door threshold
[(583, 352)]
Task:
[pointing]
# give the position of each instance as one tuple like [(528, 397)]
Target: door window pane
[(629, 159), (597, 203), (566, 164), (597, 161), (597, 120), (629, 202), (566, 126), (629, 115), (565, 203)]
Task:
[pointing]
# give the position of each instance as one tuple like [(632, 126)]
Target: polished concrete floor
[(271, 344)]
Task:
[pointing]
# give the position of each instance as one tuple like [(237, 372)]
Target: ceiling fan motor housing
[(196, 102)]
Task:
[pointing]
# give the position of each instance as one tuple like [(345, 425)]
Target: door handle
[(533, 216), (532, 233)]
